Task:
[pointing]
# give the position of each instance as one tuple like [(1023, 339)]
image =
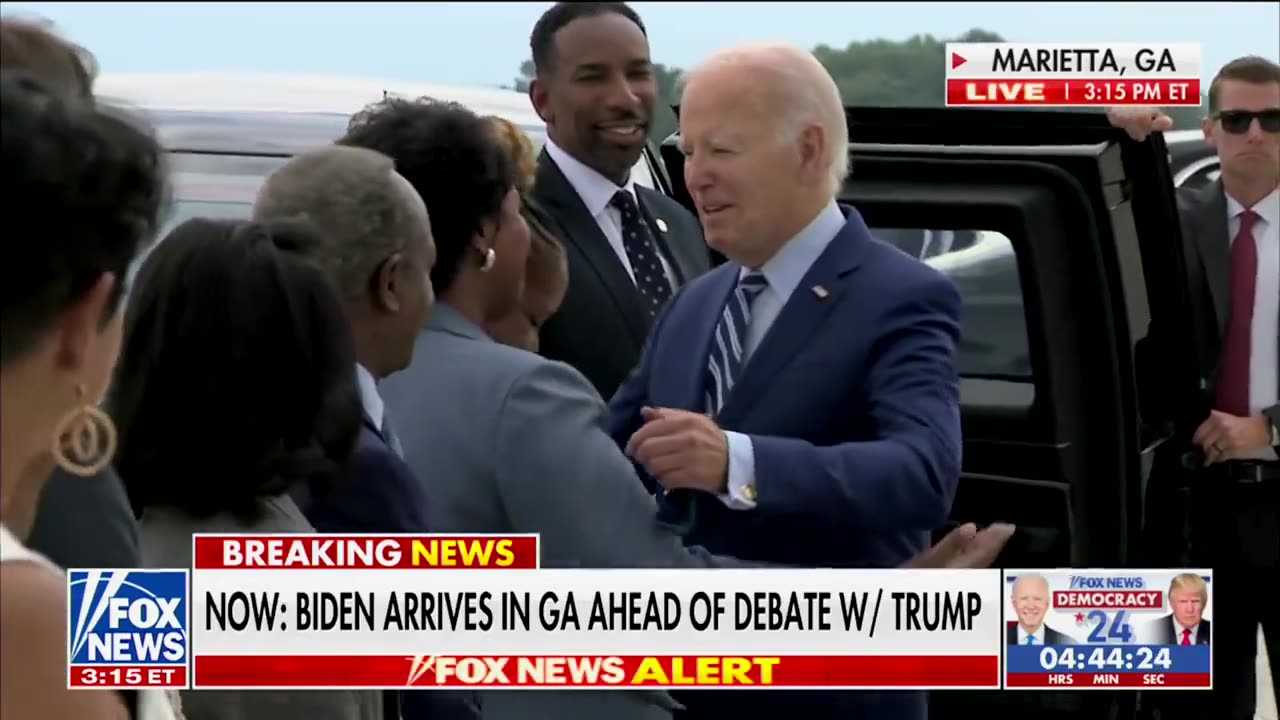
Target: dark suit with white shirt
[(382, 495), (602, 324), (1166, 631), (1231, 510)]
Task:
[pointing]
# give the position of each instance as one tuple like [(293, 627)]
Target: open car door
[(1062, 236)]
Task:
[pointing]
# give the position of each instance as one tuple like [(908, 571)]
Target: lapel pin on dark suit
[(821, 292), (662, 224)]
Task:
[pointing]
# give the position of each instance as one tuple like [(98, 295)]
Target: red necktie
[(1232, 384), (1186, 637)]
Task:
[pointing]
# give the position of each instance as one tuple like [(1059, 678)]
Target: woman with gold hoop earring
[(83, 193)]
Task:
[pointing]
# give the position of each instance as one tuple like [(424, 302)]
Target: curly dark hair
[(236, 381), (83, 191), (451, 157)]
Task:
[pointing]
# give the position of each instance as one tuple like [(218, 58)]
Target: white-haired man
[(800, 402)]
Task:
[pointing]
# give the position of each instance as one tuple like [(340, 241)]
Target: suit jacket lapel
[(1214, 248), (557, 195), (373, 428), (679, 254), (802, 314)]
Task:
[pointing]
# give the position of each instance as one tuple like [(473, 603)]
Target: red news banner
[(313, 611), (1065, 75)]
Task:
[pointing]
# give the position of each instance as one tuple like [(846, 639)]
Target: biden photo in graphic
[(1030, 599), (1186, 624)]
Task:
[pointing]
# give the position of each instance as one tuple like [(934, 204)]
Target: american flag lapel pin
[(662, 224), (820, 291)]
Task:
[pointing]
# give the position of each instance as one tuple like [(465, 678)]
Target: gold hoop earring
[(84, 441), (489, 258)]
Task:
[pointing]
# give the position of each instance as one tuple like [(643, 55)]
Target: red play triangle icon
[(957, 61)]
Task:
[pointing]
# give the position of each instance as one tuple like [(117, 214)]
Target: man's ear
[(386, 283), (541, 100)]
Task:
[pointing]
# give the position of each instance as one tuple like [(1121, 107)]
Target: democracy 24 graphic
[(1108, 628), (127, 628)]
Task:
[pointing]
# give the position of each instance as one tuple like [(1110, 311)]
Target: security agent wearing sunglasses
[(1226, 454)]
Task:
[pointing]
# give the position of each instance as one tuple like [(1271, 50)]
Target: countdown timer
[(1080, 659)]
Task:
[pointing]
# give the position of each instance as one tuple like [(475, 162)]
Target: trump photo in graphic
[(1185, 624), (1030, 600)]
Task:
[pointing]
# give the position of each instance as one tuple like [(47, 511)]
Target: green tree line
[(903, 73)]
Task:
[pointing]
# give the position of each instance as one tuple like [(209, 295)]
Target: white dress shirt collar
[(595, 189), (1023, 635), (1177, 632), (369, 397), (1268, 208)]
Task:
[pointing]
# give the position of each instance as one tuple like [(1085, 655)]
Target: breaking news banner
[(1067, 75), (127, 628), (1091, 629), (313, 611)]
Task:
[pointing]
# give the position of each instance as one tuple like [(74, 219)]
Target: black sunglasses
[(1237, 122)]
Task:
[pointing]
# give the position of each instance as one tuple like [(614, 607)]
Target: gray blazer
[(166, 543), (508, 441)]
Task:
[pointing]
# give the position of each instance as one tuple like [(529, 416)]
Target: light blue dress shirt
[(784, 271)]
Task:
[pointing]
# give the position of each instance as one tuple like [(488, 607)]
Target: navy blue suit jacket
[(852, 405), (382, 495)]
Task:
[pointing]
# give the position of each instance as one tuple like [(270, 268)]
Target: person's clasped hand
[(1223, 436), (681, 449)]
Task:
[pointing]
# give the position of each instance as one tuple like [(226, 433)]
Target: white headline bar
[(643, 612), (1073, 60)]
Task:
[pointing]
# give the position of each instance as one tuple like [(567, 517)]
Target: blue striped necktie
[(729, 341)]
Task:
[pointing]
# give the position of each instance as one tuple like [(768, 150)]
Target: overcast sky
[(484, 43)]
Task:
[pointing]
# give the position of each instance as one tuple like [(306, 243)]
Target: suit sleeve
[(624, 419), (388, 498), (907, 477), (560, 474)]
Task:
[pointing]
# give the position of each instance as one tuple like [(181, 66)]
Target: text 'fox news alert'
[(314, 611), (127, 628), (1067, 75)]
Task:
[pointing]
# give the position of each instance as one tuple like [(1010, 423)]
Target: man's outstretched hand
[(965, 547)]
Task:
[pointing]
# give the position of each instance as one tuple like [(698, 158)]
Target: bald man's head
[(763, 131)]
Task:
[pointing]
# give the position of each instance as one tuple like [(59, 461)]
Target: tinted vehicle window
[(982, 264)]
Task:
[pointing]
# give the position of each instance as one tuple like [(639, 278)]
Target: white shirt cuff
[(742, 472)]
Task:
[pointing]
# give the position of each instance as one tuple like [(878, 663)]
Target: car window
[(1202, 177), (983, 266)]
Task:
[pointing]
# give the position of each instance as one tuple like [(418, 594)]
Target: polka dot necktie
[(642, 253)]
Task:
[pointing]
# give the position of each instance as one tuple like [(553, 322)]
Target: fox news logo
[(127, 628)]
